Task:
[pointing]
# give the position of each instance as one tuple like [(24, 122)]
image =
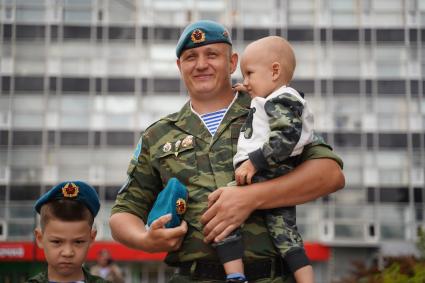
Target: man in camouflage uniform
[(181, 146)]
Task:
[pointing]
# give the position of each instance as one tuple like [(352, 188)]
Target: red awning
[(28, 251)]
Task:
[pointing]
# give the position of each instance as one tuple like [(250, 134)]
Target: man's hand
[(228, 208), (130, 230), (159, 239), (244, 173)]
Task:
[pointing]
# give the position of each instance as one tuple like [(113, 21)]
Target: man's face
[(206, 70), (65, 246)]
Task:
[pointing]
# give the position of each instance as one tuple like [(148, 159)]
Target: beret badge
[(197, 36), (70, 190), (181, 206)]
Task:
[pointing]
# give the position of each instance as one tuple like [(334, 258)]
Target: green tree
[(420, 244)]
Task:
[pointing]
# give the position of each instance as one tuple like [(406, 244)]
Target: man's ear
[(276, 70), (38, 234), (233, 62), (178, 64)]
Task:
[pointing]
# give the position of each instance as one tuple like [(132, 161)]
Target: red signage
[(29, 251)]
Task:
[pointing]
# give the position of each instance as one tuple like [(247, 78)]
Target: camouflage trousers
[(281, 224)]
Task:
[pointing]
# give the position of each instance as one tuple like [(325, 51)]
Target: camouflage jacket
[(88, 278), (277, 127), (180, 145)]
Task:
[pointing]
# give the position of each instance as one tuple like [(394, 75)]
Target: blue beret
[(74, 190), (171, 200), (202, 33)]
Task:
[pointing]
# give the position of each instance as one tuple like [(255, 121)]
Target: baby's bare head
[(273, 49)]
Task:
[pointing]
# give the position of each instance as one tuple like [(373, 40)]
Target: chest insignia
[(187, 141), (166, 147)]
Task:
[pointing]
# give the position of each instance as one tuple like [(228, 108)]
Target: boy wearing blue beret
[(67, 213)]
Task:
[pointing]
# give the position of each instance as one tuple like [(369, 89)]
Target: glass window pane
[(18, 230), (28, 121), (21, 210), (344, 12), (392, 232), (77, 15), (27, 103), (301, 12), (121, 11), (29, 14), (349, 231), (25, 157)]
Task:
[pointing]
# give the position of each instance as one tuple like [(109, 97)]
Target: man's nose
[(202, 62)]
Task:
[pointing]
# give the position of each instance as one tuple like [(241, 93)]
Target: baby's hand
[(244, 173), (239, 87)]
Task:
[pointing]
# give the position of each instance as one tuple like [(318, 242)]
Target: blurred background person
[(106, 268)]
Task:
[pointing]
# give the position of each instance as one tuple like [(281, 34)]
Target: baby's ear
[(38, 234), (276, 70)]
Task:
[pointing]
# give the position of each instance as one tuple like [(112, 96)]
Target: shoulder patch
[(137, 150)]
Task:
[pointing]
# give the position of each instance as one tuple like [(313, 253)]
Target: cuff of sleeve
[(296, 259), (258, 160)]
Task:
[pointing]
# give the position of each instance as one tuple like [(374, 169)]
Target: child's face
[(65, 246), (257, 74)]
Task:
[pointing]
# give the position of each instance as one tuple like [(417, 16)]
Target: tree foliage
[(403, 269)]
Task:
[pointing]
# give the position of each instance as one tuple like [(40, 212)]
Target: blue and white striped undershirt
[(213, 120)]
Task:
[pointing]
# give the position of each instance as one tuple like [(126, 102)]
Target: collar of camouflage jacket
[(191, 123)]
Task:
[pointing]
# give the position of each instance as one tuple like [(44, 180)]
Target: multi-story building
[(81, 79)]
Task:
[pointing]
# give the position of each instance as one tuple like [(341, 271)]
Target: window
[(301, 12), (76, 32), (346, 66), (119, 138), (344, 12), (388, 12), (353, 231), (258, 13), (26, 138), (120, 85), (75, 84), (33, 32), (30, 13), (25, 192), (390, 61), (394, 195), (28, 84), (121, 11), (73, 138)]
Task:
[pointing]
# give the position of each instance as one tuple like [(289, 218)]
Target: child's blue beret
[(171, 200), (74, 190), (202, 33)]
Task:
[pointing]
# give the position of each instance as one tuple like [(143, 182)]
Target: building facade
[(81, 80)]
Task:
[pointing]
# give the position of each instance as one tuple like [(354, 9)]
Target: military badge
[(187, 141), (166, 147), (181, 206), (70, 190), (197, 36), (177, 145), (225, 33)]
